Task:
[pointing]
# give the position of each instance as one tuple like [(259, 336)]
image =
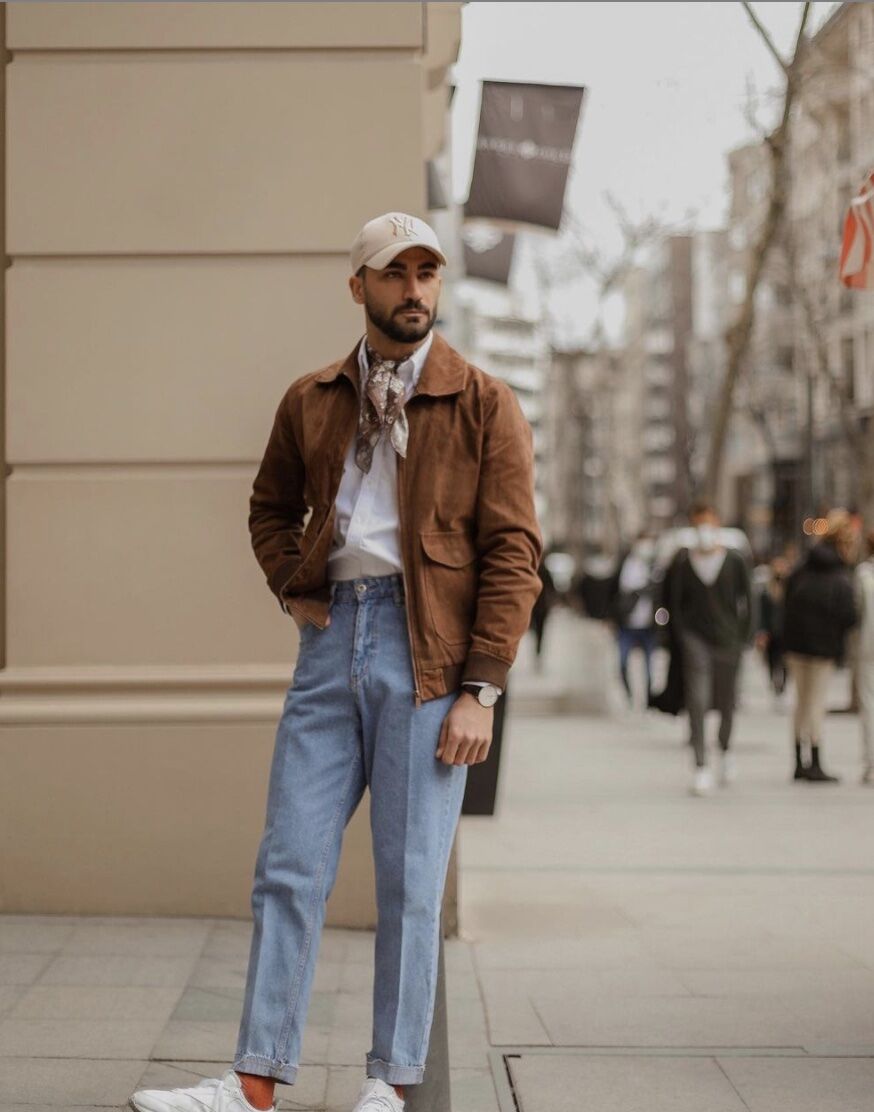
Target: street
[(637, 948), (625, 947)]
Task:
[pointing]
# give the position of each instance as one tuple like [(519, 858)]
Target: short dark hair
[(359, 273)]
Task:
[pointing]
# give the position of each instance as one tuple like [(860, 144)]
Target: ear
[(356, 288)]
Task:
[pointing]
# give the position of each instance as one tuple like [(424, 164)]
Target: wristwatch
[(486, 694)]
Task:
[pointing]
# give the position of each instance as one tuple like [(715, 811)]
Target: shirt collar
[(416, 361)]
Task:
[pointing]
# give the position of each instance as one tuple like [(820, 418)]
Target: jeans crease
[(312, 911)]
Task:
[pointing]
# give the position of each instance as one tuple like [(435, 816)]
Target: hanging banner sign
[(488, 253), (523, 152)]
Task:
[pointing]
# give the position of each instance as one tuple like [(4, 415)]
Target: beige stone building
[(789, 453), (182, 183)]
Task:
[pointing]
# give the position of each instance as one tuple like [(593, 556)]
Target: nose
[(413, 288)]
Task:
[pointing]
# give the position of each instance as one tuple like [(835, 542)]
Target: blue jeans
[(350, 722)]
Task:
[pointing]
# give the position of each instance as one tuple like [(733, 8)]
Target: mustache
[(406, 308)]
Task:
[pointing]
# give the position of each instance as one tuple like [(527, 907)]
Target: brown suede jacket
[(470, 540)]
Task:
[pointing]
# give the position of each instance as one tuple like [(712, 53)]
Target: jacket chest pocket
[(450, 576)]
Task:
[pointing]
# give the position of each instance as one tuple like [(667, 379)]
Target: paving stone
[(689, 950), (85, 1038), (22, 969), (53, 1107), (513, 1019), (781, 983), (683, 1021), (803, 1084), (468, 1038), (229, 939), (473, 1090), (622, 1084), (10, 996), (343, 1087), (582, 983), (202, 1040), (66, 1083), (34, 934), (356, 976), (116, 969), (564, 953), (216, 972), (142, 937), (214, 1005), (77, 1002)]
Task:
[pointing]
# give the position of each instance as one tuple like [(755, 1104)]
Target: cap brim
[(382, 258)]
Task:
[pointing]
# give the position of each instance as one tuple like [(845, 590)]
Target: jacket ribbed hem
[(482, 666)]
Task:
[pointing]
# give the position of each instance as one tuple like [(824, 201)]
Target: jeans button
[(360, 588)]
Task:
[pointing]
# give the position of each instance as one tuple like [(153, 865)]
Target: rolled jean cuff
[(394, 1075), (266, 1067)]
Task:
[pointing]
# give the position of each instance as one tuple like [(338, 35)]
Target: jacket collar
[(444, 371)]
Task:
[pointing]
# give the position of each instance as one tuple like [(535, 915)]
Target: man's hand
[(466, 733), (301, 622)]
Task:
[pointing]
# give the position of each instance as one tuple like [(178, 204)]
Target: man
[(711, 605), (412, 583)]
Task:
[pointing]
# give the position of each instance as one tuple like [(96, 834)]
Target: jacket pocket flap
[(455, 550)]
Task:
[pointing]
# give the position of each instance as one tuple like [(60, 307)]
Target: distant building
[(513, 347), (657, 345), (809, 373)]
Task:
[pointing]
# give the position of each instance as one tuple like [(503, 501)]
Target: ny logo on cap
[(402, 225)]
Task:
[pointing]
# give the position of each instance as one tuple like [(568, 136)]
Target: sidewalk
[(626, 948)]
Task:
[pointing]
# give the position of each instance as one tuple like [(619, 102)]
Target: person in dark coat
[(710, 604), (820, 610), (543, 604), (769, 638)]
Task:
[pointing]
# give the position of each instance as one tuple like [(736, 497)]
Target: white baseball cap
[(384, 237)]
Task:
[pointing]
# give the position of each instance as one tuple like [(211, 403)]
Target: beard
[(391, 324)]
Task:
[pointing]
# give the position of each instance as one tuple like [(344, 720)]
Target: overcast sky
[(667, 84)]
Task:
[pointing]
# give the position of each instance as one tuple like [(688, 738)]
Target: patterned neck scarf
[(382, 408)]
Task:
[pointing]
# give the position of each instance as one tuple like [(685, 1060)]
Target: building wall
[(183, 181)]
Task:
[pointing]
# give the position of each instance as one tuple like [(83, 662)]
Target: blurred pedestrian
[(633, 609), (769, 638), (819, 611), (540, 614), (864, 582), (711, 608)]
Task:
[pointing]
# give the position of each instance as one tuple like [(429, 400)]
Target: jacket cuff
[(480, 667), (280, 577)]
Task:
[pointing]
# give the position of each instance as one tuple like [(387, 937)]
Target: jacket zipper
[(400, 470)]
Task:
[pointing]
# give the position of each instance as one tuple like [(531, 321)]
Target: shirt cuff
[(485, 683)]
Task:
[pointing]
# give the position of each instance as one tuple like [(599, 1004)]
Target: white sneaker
[(702, 782), (211, 1095), (727, 769), (378, 1096)]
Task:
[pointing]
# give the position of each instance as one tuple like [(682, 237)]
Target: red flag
[(857, 249)]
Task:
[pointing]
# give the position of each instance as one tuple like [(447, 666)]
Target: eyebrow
[(430, 264)]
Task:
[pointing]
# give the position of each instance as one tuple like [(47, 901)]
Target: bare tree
[(739, 333)]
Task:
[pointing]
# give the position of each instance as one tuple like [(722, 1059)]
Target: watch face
[(488, 696)]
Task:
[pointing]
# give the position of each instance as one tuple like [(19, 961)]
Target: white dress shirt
[(366, 528), (367, 538)]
